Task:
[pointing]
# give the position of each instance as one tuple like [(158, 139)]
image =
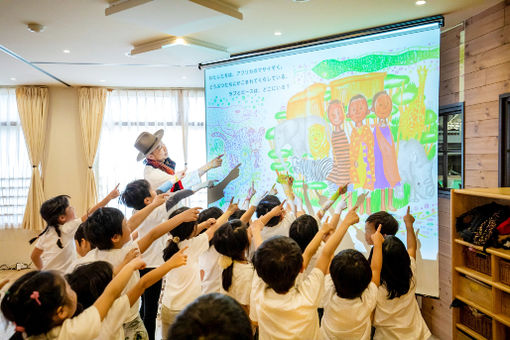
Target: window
[(504, 140), (14, 163), (181, 113), (451, 147)]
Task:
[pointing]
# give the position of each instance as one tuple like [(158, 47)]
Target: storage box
[(478, 260), (504, 271), (476, 320)]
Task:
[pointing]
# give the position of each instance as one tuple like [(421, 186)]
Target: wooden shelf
[(478, 290), (470, 332), (474, 274)]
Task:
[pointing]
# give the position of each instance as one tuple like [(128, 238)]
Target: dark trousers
[(150, 300)]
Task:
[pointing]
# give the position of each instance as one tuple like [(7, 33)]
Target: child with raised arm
[(42, 304), (282, 308), (54, 249), (89, 281), (107, 230), (351, 293), (397, 314), (183, 286)]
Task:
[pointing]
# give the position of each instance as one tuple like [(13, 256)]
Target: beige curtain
[(92, 102), (33, 112)]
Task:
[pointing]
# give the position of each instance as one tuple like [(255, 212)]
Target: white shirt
[(281, 229), (115, 258), (153, 256), (208, 262), (348, 319), (84, 326), (53, 257), (242, 277), (287, 316), (157, 177), (399, 318), (111, 327), (182, 285)]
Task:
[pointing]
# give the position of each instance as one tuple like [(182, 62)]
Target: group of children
[(226, 275)]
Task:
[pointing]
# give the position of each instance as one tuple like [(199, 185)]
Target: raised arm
[(214, 163), (138, 217), (177, 260), (335, 239), (188, 215), (376, 264), (115, 287), (314, 244), (256, 227), (113, 194), (411, 236), (222, 219)]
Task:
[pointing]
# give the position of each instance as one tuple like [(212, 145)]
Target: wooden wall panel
[(482, 128), (481, 162), (482, 111)]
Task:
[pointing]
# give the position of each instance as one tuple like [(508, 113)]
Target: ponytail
[(57, 230), (50, 211), (226, 276), (180, 233), (171, 249)]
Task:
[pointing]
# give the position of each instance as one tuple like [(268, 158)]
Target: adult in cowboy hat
[(159, 168)]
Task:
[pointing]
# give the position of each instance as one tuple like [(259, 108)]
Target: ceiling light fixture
[(277, 33), (175, 41), (66, 51), (35, 27), (420, 2)]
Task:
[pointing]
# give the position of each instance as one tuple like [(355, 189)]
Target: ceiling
[(99, 45)]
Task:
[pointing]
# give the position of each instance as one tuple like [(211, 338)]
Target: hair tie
[(176, 239), (35, 296), (225, 261)]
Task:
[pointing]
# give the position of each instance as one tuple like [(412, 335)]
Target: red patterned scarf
[(167, 166)]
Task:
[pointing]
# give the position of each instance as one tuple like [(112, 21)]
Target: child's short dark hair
[(388, 222), (278, 262), (396, 274), (231, 239), (265, 206), (212, 316), (303, 230), (183, 231), (102, 225), (35, 315), (351, 273), (89, 281), (50, 211), (135, 194), (212, 212), (80, 234), (237, 214)]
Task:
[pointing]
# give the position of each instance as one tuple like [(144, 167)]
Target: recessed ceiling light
[(102, 80), (13, 78), (35, 27), (277, 33), (66, 51), (420, 2)]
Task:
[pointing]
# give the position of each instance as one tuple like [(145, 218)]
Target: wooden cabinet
[(479, 279)]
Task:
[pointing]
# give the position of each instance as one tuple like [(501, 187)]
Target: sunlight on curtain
[(130, 112), (15, 167)]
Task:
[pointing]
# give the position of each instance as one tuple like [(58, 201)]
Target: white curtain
[(15, 169), (33, 112), (130, 112)]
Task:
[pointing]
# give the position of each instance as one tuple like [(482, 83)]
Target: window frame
[(444, 111)]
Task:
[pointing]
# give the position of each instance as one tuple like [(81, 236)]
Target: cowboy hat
[(147, 142)]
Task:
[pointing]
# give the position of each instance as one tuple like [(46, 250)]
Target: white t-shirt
[(399, 318), (281, 229), (182, 285), (153, 256), (242, 277), (348, 319), (208, 262), (53, 257), (156, 177), (84, 326), (115, 258), (111, 327), (287, 316)]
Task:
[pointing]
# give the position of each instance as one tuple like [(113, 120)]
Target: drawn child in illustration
[(340, 172), (361, 151), (386, 168)]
